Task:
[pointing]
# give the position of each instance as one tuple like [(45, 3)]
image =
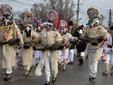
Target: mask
[(39, 29), (28, 31), (48, 26), (63, 31), (7, 19)]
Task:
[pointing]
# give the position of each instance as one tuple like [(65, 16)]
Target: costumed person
[(81, 46), (108, 50), (38, 53), (29, 37), (67, 37), (62, 23), (50, 39), (10, 37), (95, 35)]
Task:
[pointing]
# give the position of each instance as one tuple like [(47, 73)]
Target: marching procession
[(52, 44)]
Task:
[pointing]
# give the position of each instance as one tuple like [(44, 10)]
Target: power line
[(17, 5), (22, 2), (78, 10), (110, 18)]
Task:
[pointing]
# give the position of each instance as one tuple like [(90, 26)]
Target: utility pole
[(110, 18), (78, 12), (101, 19)]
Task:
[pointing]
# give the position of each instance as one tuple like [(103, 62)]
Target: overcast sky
[(102, 5)]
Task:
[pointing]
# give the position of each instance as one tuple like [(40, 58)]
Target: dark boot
[(47, 83), (54, 80), (71, 63), (8, 77), (81, 61), (91, 78)]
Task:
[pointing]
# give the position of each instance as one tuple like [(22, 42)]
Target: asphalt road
[(74, 75)]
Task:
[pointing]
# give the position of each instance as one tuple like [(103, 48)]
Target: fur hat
[(70, 23), (111, 28), (92, 12)]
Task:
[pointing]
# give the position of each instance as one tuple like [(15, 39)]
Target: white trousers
[(92, 66), (82, 54), (47, 67), (37, 56), (71, 55), (109, 58), (60, 59), (66, 54), (63, 58)]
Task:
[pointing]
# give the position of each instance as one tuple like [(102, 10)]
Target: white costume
[(37, 56), (108, 53)]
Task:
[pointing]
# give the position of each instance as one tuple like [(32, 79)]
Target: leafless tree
[(65, 9)]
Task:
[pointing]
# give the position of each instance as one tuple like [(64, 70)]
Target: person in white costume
[(108, 50)]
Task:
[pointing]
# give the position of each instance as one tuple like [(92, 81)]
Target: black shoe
[(105, 73), (54, 80), (111, 74), (36, 64), (71, 63), (47, 83), (8, 77), (92, 78), (81, 61)]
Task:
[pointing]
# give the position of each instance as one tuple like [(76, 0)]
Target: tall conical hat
[(53, 17)]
